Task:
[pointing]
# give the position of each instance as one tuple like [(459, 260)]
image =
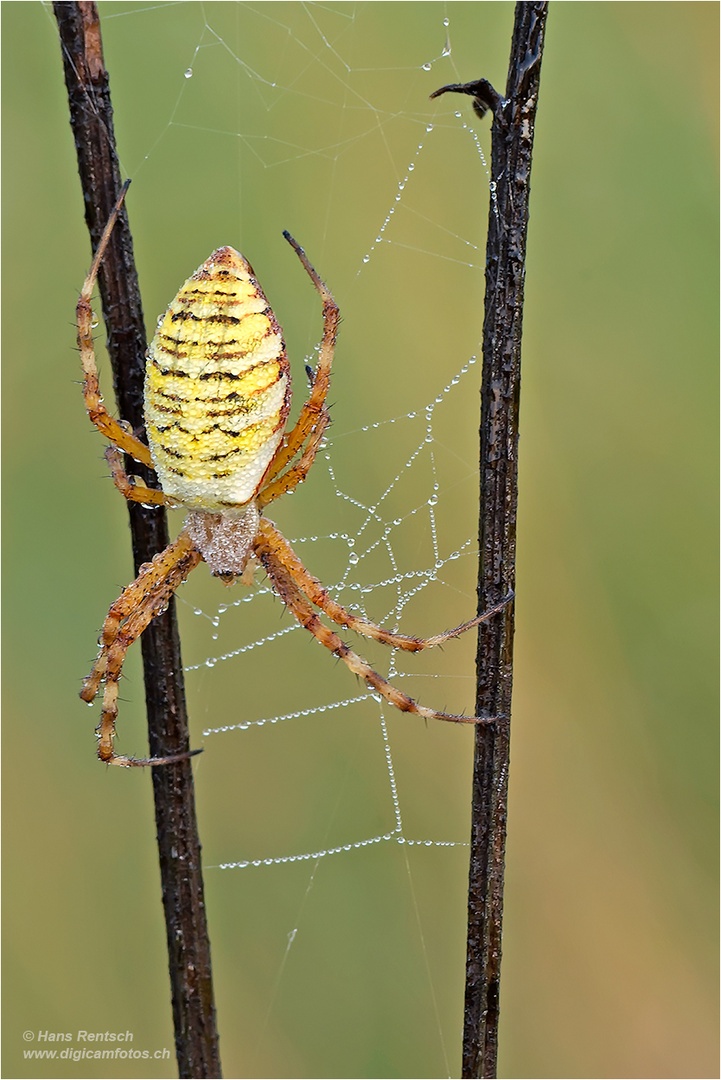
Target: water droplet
[(426, 67), (429, 127), (188, 73), (433, 501), (446, 50), (94, 322), (352, 558), (446, 22), (366, 258), (411, 167)]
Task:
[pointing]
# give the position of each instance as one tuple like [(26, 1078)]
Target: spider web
[(378, 523), (372, 543), (316, 118)]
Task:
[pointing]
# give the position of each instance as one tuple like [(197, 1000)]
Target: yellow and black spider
[(217, 397)]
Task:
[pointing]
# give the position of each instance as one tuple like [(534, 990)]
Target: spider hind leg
[(307, 434), (115, 430)]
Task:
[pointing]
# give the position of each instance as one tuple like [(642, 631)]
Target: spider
[(217, 397)]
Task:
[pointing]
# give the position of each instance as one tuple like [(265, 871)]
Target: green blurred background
[(306, 117)]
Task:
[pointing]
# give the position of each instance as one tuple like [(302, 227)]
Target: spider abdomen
[(217, 387)]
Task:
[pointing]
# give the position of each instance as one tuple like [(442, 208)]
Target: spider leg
[(270, 539), (151, 575), (148, 596), (115, 430), (298, 472), (314, 411), (303, 611), (132, 487)]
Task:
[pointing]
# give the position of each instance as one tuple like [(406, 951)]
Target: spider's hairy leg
[(314, 411), (114, 430), (148, 596), (151, 577), (303, 611), (132, 487), (270, 539), (297, 472)]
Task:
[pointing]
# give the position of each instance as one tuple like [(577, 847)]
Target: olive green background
[(610, 927)]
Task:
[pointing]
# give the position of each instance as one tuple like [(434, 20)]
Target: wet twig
[(512, 145), (91, 118)]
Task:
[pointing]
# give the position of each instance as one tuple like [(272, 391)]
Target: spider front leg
[(271, 540), (286, 587), (148, 596)]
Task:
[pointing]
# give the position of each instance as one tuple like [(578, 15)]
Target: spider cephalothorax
[(217, 396)]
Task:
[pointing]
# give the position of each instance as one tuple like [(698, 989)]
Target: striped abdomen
[(217, 387)]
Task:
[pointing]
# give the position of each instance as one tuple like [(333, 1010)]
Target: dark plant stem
[(91, 118), (511, 151)]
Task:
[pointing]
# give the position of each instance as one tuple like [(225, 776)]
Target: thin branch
[(512, 146), (91, 118)]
